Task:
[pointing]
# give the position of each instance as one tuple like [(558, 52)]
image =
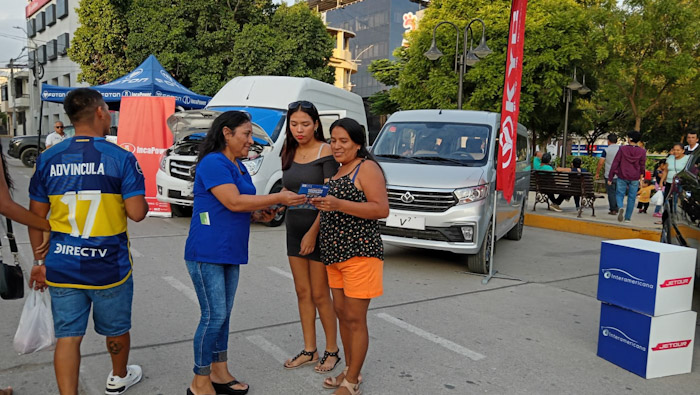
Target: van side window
[(521, 148)]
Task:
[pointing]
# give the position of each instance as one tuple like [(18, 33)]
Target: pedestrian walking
[(306, 158), (675, 163), (217, 244), (91, 187), (605, 161), (351, 245), (644, 196), (628, 166), (17, 213), (56, 136), (692, 139)]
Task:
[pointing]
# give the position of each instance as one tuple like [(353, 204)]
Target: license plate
[(406, 221)]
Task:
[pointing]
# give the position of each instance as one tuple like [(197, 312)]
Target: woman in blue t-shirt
[(224, 197)]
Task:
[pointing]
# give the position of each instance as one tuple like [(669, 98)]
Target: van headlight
[(253, 165), (472, 194)]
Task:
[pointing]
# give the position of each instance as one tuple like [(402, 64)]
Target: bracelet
[(38, 262)]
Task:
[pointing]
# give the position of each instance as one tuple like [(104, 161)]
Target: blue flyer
[(311, 191)]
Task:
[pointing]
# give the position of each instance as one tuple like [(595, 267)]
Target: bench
[(573, 184)]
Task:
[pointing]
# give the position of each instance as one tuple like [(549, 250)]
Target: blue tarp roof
[(148, 79)]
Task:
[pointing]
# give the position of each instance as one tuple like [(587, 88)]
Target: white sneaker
[(118, 385)]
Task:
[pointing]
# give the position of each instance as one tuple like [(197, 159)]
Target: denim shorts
[(111, 309)]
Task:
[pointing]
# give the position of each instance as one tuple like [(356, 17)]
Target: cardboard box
[(646, 276), (647, 346)]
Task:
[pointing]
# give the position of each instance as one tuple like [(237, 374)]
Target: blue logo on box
[(628, 277)]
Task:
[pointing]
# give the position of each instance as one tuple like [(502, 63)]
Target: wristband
[(38, 262)]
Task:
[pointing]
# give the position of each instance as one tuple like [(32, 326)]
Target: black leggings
[(560, 199)]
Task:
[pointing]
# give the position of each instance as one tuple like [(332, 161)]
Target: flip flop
[(335, 383), (327, 354)]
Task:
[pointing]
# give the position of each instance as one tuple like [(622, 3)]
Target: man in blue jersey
[(90, 186)]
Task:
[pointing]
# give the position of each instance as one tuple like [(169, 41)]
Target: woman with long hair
[(10, 209), (306, 158), (224, 197), (351, 245), (675, 163)]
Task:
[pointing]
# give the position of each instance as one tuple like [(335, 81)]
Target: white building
[(50, 28)]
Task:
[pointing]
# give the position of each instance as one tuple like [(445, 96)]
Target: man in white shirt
[(692, 139), (57, 136)]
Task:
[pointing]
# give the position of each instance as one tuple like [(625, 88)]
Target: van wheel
[(28, 157), (480, 262), (516, 232), (279, 218), (180, 210)]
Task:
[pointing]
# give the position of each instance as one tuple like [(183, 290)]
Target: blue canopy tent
[(148, 79)]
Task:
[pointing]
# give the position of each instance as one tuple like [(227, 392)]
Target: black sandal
[(225, 389), (327, 354), (309, 354)]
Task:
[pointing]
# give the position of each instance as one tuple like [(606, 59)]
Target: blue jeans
[(215, 285), (111, 309), (630, 188), (612, 194)]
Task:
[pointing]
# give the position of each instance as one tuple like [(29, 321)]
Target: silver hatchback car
[(440, 168)]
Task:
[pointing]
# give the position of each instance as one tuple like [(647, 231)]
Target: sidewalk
[(603, 225)]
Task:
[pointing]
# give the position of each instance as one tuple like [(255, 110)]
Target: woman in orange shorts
[(351, 245)]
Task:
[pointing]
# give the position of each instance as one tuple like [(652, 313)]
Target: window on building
[(51, 15), (41, 54), (21, 117), (54, 81), (31, 28), (31, 55), (19, 87), (51, 52), (41, 21), (63, 42), (65, 80), (61, 9), (3, 93)]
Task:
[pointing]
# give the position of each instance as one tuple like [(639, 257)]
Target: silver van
[(440, 168)]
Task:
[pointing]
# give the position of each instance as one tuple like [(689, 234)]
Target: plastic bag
[(35, 330), (657, 199)]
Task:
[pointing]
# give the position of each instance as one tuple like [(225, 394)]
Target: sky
[(12, 40)]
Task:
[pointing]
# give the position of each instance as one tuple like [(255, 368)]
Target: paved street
[(436, 330)]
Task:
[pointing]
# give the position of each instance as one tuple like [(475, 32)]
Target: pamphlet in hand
[(311, 191)]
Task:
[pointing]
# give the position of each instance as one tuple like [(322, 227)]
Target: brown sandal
[(353, 389), (332, 383)]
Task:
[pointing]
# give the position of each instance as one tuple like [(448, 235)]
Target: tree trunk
[(637, 124)]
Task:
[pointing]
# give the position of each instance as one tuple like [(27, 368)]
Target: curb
[(583, 227)]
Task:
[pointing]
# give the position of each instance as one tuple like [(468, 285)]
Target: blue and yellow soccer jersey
[(86, 180)]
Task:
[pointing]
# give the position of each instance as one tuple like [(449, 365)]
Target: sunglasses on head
[(301, 103), (59, 127)]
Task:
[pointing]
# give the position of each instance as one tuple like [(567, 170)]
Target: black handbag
[(11, 276)]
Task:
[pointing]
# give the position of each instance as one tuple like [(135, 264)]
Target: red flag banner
[(144, 132), (505, 176)]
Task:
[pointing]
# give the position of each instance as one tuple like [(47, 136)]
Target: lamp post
[(467, 58), (582, 89)]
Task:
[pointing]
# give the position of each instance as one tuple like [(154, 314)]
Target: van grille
[(433, 202), (182, 169), (453, 233)]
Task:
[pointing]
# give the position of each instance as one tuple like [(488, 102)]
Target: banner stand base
[(488, 277)]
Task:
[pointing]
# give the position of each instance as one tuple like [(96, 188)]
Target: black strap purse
[(11, 276)]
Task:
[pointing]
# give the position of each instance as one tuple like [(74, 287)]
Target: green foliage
[(380, 103), (99, 43), (204, 43)]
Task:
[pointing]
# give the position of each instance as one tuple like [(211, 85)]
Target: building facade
[(50, 28), (379, 29), (342, 59)]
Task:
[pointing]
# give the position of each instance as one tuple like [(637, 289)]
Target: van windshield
[(439, 142), (270, 119)]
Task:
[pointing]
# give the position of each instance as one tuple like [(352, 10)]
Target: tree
[(554, 42), (99, 44), (202, 43), (646, 52)]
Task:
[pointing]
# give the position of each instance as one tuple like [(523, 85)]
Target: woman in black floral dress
[(351, 245)]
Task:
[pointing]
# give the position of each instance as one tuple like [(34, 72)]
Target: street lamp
[(467, 58), (582, 89)]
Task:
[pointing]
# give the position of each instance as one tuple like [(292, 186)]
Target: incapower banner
[(505, 177), (144, 132)]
